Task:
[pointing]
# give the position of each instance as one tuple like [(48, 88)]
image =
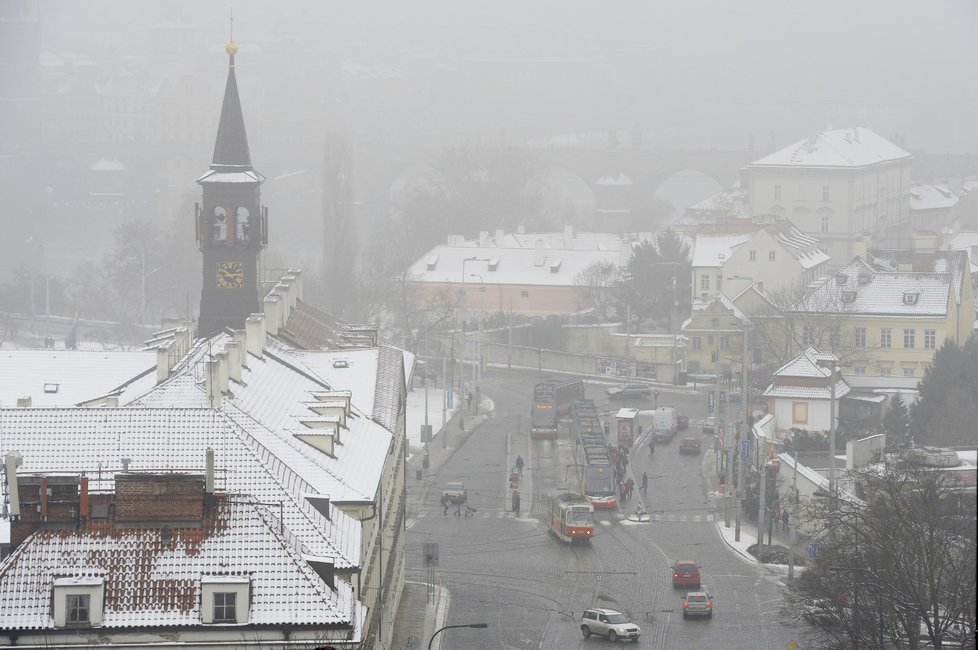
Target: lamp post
[(478, 368), (449, 627), (465, 261), (833, 364), (745, 409)]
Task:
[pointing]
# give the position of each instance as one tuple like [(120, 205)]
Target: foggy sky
[(694, 74)]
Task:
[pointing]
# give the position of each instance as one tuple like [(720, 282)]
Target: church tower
[(232, 225)]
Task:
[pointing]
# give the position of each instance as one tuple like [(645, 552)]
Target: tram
[(552, 398), (598, 476), (570, 516)]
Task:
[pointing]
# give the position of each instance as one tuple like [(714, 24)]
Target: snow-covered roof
[(108, 165), (701, 305), (967, 240), (807, 366), (931, 197), (819, 481), (857, 288), (803, 248), (511, 266), (69, 377), (620, 179), (731, 202), (714, 250), (251, 459), (850, 147), (151, 582)]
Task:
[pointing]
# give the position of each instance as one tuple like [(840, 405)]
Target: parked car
[(685, 573), (710, 425), (689, 446), (425, 371), (622, 391), (683, 421), (609, 623), (698, 603)]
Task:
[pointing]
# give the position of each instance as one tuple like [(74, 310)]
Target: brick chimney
[(159, 500)]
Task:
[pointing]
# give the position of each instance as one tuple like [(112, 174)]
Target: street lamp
[(478, 369), (449, 627), (465, 261), (745, 432)]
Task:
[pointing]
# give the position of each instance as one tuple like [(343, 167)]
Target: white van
[(664, 423)]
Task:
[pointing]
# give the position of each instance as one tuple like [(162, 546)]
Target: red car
[(689, 446), (685, 573)]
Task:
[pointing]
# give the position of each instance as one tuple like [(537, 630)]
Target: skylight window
[(910, 297), (51, 388)]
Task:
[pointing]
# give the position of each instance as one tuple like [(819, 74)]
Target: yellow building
[(888, 318)]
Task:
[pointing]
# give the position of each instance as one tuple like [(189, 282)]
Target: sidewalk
[(748, 526), (420, 614)]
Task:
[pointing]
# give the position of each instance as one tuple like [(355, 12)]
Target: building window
[(724, 342), (860, 337), (807, 336), (753, 256), (777, 191), (799, 412), (885, 372), (715, 322), (697, 342), (930, 339), (524, 294), (909, 337), (719, 283), (78, 608), (224, 607), (825, 223), (705, 282), (770, 256), (860, 370), (908, 372), (709, 340), (825, 193), (886, 337)]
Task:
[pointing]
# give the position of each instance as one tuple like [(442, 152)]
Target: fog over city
[(349, 324), (664, 76)]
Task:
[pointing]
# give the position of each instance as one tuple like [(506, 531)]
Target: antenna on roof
[(232, 25)]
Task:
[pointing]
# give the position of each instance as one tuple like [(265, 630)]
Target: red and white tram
[(570, 516)]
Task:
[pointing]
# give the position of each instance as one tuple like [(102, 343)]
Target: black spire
[(231, 148)]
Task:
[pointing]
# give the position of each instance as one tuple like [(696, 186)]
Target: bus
[(598, 475), (552, 398), (570, 516)]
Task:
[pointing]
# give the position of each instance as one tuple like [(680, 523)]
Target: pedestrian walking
[(784, 519), (645, 482), (519, 464), (629, 487), (651, 448), (516, 501), (445, 502), (621, 491), (459, 502)]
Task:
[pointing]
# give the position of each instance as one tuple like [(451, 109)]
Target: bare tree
[(599, 285), (899, 565)]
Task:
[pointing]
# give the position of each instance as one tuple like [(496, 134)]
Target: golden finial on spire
[(231, 48)]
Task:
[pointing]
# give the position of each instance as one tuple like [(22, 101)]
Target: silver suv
[(609, 623), (698, 603)]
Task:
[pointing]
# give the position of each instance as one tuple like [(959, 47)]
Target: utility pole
[(745, 430), (792, 513), (761, 509)]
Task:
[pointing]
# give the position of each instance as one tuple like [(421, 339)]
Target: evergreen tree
[(947, 409), (896, 423), (649, 288)]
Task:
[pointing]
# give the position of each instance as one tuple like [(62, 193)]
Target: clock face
[(230, 275)]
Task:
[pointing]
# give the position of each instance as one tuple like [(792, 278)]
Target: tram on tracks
[(598, 475), (552, 398), (570, 516)]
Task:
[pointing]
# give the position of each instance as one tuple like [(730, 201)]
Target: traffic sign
[(744, 448), (814, 549)]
